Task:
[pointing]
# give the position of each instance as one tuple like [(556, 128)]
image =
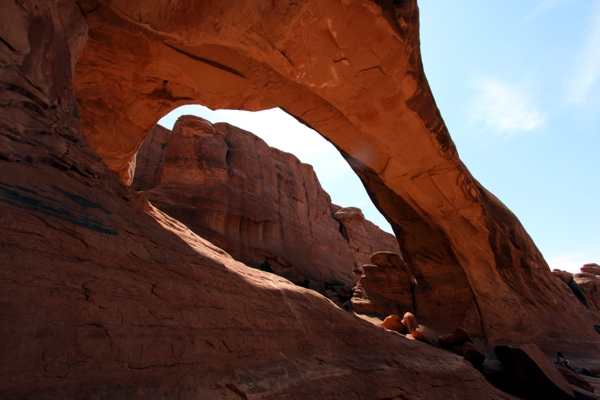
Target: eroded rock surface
[(150, 159), (259, 204)]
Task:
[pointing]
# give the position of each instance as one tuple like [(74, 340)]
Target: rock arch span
[(352, 71)]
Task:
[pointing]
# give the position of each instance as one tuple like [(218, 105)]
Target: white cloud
[(543, 6), (503, 108), (572, 262), (586, 74)]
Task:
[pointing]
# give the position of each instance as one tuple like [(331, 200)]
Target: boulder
[(410, 322), (419, 332), (393, 323), (575, 379), (426, 335), (455, 338), (532, 369), (471, 354), (591, 268), (565, 276), (588, 286)]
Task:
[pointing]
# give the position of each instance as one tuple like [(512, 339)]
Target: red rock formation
[(364, 237), (259, 203), (534, 371), (352, 71), (103, 296), (589, 285), (150, 159)]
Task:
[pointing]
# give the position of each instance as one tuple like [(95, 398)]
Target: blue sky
[(518, 84)]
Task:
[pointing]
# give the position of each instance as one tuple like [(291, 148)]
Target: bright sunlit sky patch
[(518, 84)]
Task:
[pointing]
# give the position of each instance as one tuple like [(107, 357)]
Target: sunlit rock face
[(256, 202)]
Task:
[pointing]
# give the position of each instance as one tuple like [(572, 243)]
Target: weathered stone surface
[(534, 371), (455, 338), (258, 203), (393, 323), (150, 159), (386, 286), (591, 268), (589, 286), (565, 276), (471, 354), (364, 237), (575, 379)]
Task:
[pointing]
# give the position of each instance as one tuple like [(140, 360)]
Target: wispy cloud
[(586, 75), (503, 108), (543, 6), (572, 262)]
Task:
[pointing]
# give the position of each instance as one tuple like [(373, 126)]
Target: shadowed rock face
[(256, 202)]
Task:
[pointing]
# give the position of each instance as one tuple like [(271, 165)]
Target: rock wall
[(103, 296), (150, 159), (257, 203), (352, 71)]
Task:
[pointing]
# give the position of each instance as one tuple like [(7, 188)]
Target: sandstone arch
[(104, 296), (352, 71)]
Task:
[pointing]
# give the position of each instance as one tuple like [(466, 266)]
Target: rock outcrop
[(258, 203), (585, 286), (150, 159), (386, 286)]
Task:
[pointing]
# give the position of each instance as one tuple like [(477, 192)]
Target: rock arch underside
[(104, 295)]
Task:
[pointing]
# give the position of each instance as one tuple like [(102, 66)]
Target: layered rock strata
[(258, 203), (352, 71), (104, 296)]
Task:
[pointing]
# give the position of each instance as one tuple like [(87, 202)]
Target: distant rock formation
[(386, 286), (260, 204), (584, 285)]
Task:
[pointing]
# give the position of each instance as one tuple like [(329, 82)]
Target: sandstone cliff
[(256, 202)]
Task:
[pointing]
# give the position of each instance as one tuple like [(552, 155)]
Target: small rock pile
[(459, 341), (520, 370)]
